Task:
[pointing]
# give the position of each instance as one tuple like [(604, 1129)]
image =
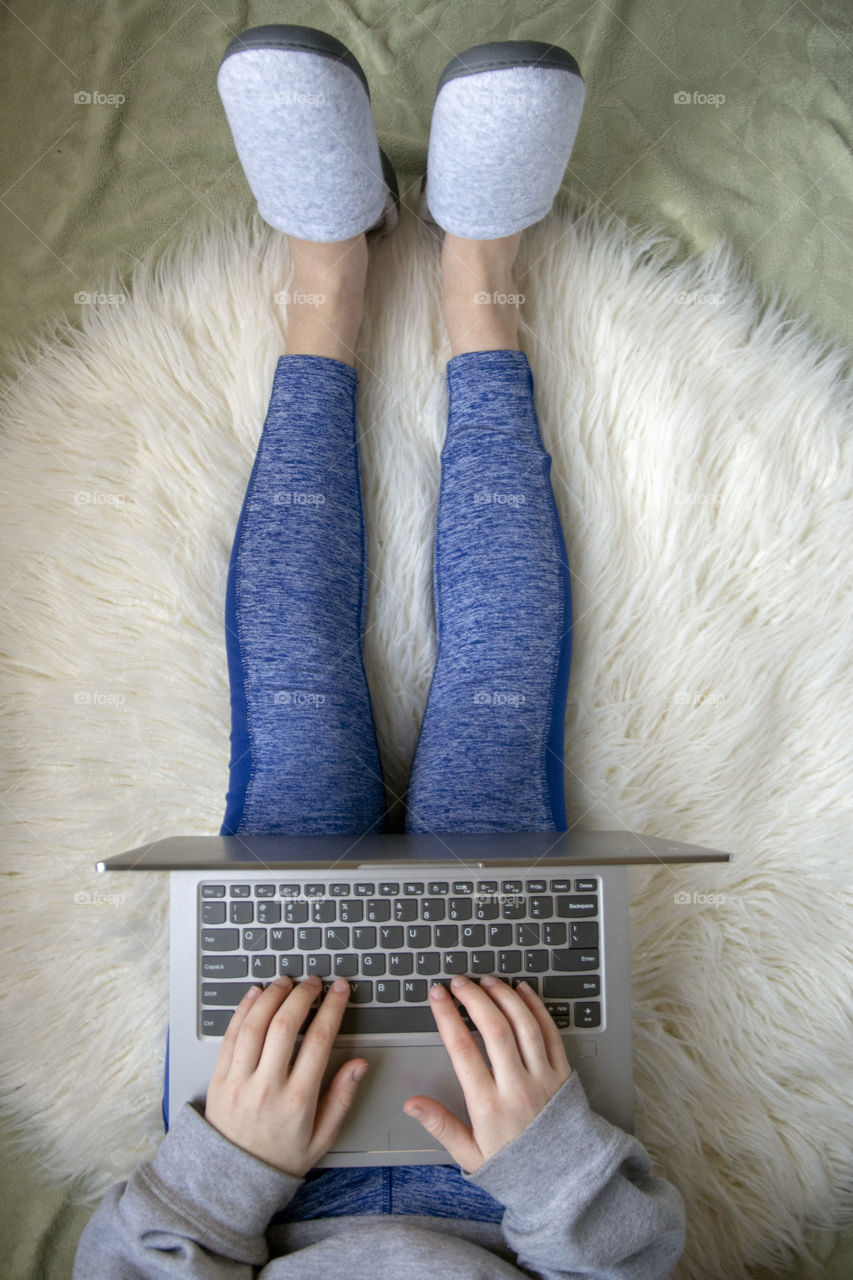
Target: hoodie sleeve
[(580, 1198), (198, 1211)]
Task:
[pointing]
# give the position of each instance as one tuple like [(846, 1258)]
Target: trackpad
[(376, 1121)]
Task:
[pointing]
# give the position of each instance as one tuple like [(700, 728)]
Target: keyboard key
[(527, 935), (432, 909), (281, 939), (515, 908), (363, 890), (220, 939), (473, 935), (264, 890), (487, 886), (309, 939), (509, 962), (345, 966), (582, 985), (482, 961), (413, 887), (577, 905), (337, 938), (418, 935), (554, 933), (536, 886), (438, 886), (323, 912), (588, 1014), (378, 909), (213, 913), (463, 886), (389, 888), (414, 990), (391, 935), (428, 962), (540, 908), (360, 992), (373, 964), (241, 912), (263, 966), (446, 935), (213, 890), (500, 935), (401, 963), (268, 912), (214, 1022), (224, 967), (290, 965), (405, 910), (388, 991), (487, 911), (456, 962), (351, 911), (224, 993), (586, 886), (460, 909), (295, 912), (400, 1019), (339, 890), (319, 965), (570, 961), (240, 891), (289, 890), (560, 886), (254, 939), (511, 886), (315, 889), (536, 961), (364, 938), (585, 934)]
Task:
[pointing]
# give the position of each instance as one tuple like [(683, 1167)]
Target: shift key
[(224, 993)]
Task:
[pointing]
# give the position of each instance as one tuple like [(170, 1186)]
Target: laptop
[(394, 913)]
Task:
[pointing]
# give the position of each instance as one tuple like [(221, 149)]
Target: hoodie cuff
[(566, 1122), (201, 1167)]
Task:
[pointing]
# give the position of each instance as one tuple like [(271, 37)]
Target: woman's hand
[(526, 1052), (258, 1100)]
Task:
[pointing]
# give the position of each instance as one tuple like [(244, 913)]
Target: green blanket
[(730, 119)]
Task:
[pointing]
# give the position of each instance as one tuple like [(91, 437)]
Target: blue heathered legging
[(304, 755)]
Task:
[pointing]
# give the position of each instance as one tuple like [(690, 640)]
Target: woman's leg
[(304, 756), (490, 752)]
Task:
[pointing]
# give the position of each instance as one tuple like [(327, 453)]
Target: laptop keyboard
[(392, 939)]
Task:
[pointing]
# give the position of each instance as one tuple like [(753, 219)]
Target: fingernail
[(487, 981), (341, 984), (360, 1071), (458, 982), (438, 992), (414, 1112), (282, 981), (253, 991)]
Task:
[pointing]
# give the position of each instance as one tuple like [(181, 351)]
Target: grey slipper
[(298, 105), (504, 122)]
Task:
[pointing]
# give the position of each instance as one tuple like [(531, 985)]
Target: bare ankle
[(480, 301)]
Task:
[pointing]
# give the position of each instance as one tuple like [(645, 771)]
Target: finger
[(226, 1048), (441, 1124), (336, 1102), (313, 1056), (554, 1046), (468, 1062), (280, 1039), (528, 1030), (252, 1033), (497, 1032)]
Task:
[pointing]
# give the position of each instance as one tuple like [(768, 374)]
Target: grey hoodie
[(579, 1196)]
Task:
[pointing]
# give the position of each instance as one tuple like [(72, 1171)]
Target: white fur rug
[(702, 466)]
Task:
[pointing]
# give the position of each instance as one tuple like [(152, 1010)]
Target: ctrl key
[(214, 1022)]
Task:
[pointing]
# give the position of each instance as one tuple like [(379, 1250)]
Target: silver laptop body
[(403, 1063)]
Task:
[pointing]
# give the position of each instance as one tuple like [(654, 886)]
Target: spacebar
[(358, 1020)]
